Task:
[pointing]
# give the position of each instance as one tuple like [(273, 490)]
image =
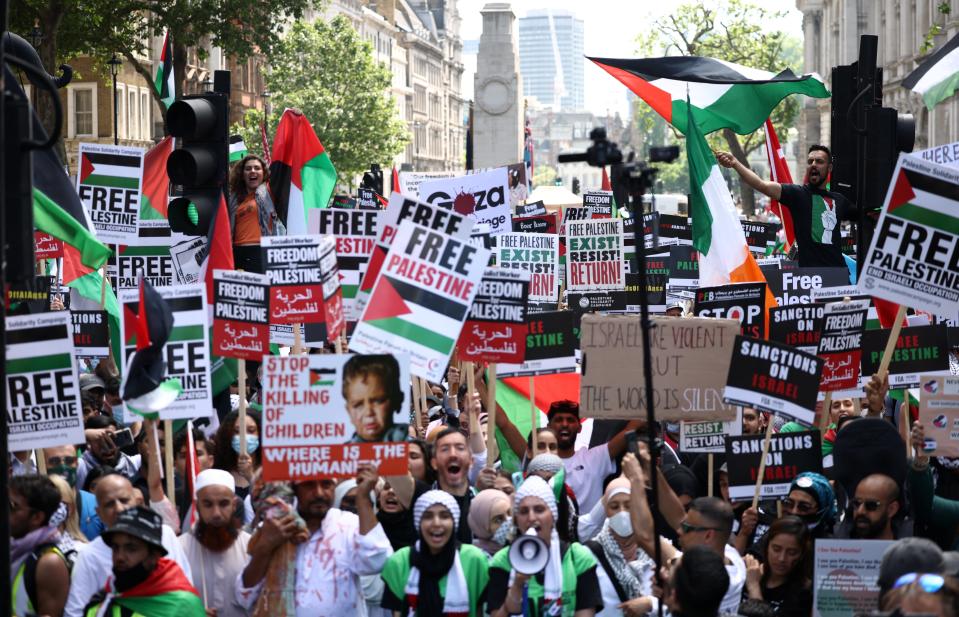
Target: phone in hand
[(122, 439)]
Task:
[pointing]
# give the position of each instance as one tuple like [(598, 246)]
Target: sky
[(610, 29)]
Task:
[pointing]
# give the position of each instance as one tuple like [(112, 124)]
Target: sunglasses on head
[(930, 583), (871, 505)]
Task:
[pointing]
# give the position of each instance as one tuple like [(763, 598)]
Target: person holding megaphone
[(538, 574)]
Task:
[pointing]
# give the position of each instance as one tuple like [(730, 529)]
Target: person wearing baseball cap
[(144, 581)]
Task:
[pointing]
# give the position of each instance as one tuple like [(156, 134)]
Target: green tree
[(736, 31), (326, 70)]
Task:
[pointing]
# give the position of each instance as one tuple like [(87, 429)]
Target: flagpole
[(241, 386), (168, 460), (491, 415)]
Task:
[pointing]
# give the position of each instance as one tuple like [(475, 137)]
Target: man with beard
[(216, 546), (754, 422), (816, 212), (115, 494), (341, 547), (874, 507), (144, 582), (102, 451)]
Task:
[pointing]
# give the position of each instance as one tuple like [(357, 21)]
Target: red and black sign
[(495, 330), (241, 320), (675, 226), (292, 264), (759, 235), (744, 302), (799, 325), (790, 454), (536, 224), (91, 336), (46, 246), (840, 346)]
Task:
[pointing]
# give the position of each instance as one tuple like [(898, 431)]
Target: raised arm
[(506, 427), (639, 513), (772, 190)]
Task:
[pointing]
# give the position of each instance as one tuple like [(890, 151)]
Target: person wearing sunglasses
[(872, 510), (923, 593), (63, 461)]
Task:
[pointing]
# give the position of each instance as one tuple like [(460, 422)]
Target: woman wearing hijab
[(625, 571), (550, 468), (437, 575), (491, 520), (567, 585)]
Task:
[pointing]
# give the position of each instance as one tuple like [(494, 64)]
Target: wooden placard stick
[(762, 462), (297, 340), (883, 372), (709, 474), (168, 460), (241, 418), (41, 461), (533, 415), (490, 414), (417, 407), (826, 413)]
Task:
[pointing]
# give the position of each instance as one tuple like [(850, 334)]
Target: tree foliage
[(326, 70), (736, 31)]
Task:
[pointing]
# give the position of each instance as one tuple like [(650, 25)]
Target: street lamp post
[(115, 63)]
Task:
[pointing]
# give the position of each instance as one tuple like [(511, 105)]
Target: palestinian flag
[(119, 171), (156, 183), (301, 174), (322, 377), (218, 256), (163, 80), (717, 233), (395, 184), (145, 388), (165, 593), (720, 94), (513, 397), (237, 148), (937, 78), (779, 172)]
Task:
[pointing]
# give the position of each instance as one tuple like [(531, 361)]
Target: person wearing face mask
[(625, 571), (144, 581), (491, 520), (437, 575), (227, 455), (568, 584), (63, 461), (777, 583)]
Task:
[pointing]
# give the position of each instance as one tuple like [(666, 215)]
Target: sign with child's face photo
[(323, 415)]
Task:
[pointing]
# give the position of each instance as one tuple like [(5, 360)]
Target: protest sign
[(759, 235), (744, 302), (366, 199), (914, 256), (315, 420), (689, 358), (292, 265), (939, 414), (187, 258), (846, 574), (343, 202), (773, 377), (187, 352), (799, 325), (518, 183), (153, 263), (795, 286), (840, 347), (484, 197), (241, 315), (91, 336), (31, 295), (421, 298), (355, 233), (536, 224), (535, 208), (43, 395), (594, 257), (675, 226), (538, 254), (947, 154), (550, 346), (46, 246), (920, 350), (575, 213), (789, 455), (410, 181), (495, 330), (481, 237), (708, 436), (332, 325), (600, 204), (400, 209), (626, 300), (108, 182), (683, 266)]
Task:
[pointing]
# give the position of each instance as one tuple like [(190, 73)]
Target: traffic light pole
[(865, 84), (6, 151)]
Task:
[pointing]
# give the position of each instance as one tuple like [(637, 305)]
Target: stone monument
[(498, 112)]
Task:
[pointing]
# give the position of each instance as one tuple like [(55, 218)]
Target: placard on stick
[(241, 315), (537, 254), (594, 257), (789, 455), (919, 350), (550, 346), (109, 181), (355, 233), (840, 347), (495, 330), (708, 436), (939, 414), (690, 357), (744, 302)]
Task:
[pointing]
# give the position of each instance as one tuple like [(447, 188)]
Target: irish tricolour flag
[(301, 174), (720, 94), (938, 77), (717, 232)]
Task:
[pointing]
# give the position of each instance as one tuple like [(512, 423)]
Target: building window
[(82, 110), (145, 109), (133, 115), (419, 99), (121, 128)]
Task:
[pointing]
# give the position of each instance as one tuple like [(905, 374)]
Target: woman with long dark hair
[(227, 456), (252, 213), (779, 583)]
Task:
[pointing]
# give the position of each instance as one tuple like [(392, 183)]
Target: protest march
[(286, 392)]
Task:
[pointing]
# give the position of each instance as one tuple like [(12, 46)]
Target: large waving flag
[(779, 172), (937, 78), (156, 182), (717, 233), (720, 94), (301, 174), (163, 79)]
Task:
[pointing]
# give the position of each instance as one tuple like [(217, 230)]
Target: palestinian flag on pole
[(779, 172), (717, 233), (720, 94), (937, 78), (301, 174), (395, 183), (513, 397), (165, 593), (156, 183), (218, 256), (237, 148), (163, 79)]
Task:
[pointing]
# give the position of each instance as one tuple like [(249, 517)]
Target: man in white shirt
[(216, 546), (341, 547), (586, 468), (94, 563)]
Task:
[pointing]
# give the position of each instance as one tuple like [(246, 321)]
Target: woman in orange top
[(252, 214)]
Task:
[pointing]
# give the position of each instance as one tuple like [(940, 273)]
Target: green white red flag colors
[(109, 179), (355, 233), (535, 253), (43, 395), (421, 298), (772, 377), (914, 256), (314, 426), (154, 227), (241, 319), (495, 330), (163, 80)]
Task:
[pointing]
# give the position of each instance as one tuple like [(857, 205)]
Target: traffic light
[(199, 166), (373, 179), (576, 186)]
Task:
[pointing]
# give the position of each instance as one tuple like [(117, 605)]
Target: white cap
[(214, 477)]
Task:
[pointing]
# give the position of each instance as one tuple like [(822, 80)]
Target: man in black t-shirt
[(815, 211)]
